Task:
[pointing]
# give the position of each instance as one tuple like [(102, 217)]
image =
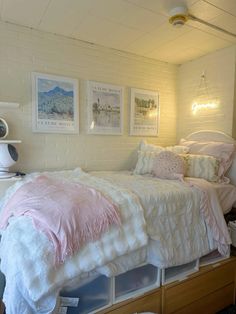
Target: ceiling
[(136, 26)]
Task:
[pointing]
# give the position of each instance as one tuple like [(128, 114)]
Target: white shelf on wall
[(9, 105), (10, 141)]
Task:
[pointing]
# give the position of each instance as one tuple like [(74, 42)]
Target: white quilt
[(177, 230), (163, 211)]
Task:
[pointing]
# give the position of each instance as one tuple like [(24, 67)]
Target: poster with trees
[(144, 113), (105, 108)]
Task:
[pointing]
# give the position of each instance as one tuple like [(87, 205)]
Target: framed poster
[(105, 108), (144, 112), (55, 104)]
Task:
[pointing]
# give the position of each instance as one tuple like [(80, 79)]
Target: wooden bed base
[(207, 291)]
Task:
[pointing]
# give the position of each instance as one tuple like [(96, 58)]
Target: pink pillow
[(168, 165), (220, 150)]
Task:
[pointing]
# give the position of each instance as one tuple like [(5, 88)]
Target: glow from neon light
[(196, 106)]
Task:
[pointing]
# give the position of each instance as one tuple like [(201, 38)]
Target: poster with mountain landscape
[(55, 104)]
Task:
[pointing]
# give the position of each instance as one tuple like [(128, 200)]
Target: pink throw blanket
[(69, 214)]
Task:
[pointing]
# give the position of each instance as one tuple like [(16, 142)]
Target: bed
[(159, 229)]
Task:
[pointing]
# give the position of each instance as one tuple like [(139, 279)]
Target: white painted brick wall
[(23, 51), (219, 69)]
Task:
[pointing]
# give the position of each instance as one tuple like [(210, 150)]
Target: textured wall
[(219, 68), (23, 50)]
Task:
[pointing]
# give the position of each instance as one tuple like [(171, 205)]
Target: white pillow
[(145, 147), (220, 150), (147, 153), (145, 162), (178, 149), (202, 166)]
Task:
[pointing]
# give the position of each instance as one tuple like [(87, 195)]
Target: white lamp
[(8, 157)]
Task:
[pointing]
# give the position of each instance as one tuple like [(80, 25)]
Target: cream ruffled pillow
[(178, 149), (145, 162)]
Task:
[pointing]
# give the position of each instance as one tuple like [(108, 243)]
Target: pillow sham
[(145, 147), (145, 162), (202, 166), (148, 152), (168, 165), (178, 149), (220, 150)]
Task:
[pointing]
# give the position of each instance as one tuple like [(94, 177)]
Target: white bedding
[(177, 234), (177, 231)]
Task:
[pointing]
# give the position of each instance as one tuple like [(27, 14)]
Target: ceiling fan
[(179, 15)]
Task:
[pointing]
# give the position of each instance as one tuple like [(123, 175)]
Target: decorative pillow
[(144, 147), (168, 165), (202, 166), (145, 162), (220, 150), (178, 149)]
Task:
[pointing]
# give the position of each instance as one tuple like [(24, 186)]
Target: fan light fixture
[(180, 15)]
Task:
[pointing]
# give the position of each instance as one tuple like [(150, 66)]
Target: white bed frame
[(216, 136)]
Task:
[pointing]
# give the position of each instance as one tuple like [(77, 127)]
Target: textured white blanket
[(27, 256), (179, 231)]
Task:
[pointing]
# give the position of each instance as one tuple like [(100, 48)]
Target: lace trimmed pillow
[(202, 166), (148, 152), (169, 165)]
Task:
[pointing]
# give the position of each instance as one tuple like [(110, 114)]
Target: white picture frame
[(55, 105), (144, 112), (105, 108)]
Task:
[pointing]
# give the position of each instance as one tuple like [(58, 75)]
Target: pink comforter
[(69, 214)]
